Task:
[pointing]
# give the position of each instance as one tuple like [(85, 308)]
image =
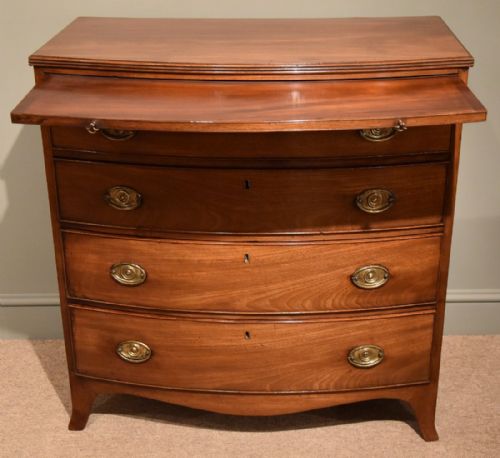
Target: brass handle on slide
[(110, 134)]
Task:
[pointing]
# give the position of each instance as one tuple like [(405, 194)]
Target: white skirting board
[(36, 316)]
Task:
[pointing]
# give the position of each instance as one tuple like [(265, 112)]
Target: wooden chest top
[(255, 46), (266, 75)]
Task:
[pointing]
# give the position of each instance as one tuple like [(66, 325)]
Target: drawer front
[(336, 144), (250, 201), (254, 278), (262, 357)]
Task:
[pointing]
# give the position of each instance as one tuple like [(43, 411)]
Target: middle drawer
[(258, 201), (252, 278)]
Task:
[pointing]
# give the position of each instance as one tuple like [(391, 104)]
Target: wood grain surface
[(259, 201), (248, 157), (259, 357), (250, 46), (241, 106), (416, 396), (270, 146), (277, 278)]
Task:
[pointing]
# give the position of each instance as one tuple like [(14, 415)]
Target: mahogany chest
[(253, 217)]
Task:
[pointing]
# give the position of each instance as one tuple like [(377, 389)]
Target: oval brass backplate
[(133, 351), (375, 200), (370, 277), (123, 198), (117, 134), (381, 134), (128, 274), (366, 356)]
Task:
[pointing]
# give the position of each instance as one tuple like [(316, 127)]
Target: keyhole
[(248, 336), (248, 184), (246, 258)]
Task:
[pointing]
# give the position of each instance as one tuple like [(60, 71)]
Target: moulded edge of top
[(344, 49)]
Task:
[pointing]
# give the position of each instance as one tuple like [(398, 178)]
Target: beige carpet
[(34, 404)]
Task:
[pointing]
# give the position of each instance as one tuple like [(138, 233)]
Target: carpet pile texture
[(35, 401)]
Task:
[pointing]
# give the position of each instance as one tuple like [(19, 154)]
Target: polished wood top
[(255, 46), (237, 106)]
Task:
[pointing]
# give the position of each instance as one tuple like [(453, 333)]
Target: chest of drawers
[(252, 216)]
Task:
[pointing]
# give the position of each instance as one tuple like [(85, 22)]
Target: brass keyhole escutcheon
[(366, 356), (370, 277), (123, 198), (128, 274), (246, 258), (133, 351)]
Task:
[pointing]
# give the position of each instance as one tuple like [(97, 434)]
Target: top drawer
[(269, 145)]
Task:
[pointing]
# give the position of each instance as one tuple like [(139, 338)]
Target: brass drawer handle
[(117, 134), (375, 200), (382, 134), (92, 128), (366, 356), (110, 134), (123, 198), (370, 277), (128, 274), (133, 351)]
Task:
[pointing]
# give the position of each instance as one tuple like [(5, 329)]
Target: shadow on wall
[(26, 247)]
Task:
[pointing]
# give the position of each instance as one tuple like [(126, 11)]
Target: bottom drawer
[(275, 356)]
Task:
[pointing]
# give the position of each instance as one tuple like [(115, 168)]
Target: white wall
[(27, 273)]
